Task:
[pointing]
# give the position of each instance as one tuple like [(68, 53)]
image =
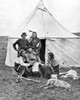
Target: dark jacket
[(22, 44)]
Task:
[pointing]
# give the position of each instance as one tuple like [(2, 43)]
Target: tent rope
[(43, 24)]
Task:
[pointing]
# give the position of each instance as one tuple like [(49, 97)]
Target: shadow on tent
[(42, 51)]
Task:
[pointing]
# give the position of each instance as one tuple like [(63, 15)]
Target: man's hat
[(23, 34)]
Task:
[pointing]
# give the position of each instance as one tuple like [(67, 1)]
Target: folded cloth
[(35, 67)]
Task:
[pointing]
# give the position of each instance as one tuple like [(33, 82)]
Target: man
[(31, 56), (53, 63), (22, 43), (21, 67), (35, 42)]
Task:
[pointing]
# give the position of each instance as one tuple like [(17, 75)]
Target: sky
[(13, 13)]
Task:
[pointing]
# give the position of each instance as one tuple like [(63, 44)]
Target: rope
[(43, 24)]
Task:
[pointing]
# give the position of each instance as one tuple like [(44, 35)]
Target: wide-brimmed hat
[(23, 34)]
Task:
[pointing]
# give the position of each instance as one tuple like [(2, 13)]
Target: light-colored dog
[(56, 82), (71, 73)]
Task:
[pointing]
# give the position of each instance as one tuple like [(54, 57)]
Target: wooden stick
[(63, 73), (43, 86), (31, 79)]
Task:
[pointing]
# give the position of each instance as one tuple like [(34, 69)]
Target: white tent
[(60, 41)]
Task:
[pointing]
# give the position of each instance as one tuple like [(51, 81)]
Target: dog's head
[(54, 77)]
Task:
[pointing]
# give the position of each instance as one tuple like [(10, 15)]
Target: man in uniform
[(22, 43)]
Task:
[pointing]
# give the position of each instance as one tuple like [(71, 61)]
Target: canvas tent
[(58, 40)]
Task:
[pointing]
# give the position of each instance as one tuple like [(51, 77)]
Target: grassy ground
[(28, 90)]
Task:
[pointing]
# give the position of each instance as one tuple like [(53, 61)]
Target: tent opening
[(42, 51)]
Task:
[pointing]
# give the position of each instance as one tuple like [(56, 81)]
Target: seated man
[(53, 63), (52, 67), (27, 63), (20, 66), (32, 58)]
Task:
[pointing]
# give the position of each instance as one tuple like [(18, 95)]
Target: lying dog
[(71, 73), (55, 82)]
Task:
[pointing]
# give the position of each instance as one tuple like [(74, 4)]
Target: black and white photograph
[(39, 49)]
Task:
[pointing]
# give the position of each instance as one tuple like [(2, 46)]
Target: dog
[(53, 81), (71, 73), (45, 71)]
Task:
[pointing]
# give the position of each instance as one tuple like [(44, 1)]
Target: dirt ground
[(28, 90)]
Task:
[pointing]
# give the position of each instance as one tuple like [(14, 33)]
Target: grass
[(28, 90)]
